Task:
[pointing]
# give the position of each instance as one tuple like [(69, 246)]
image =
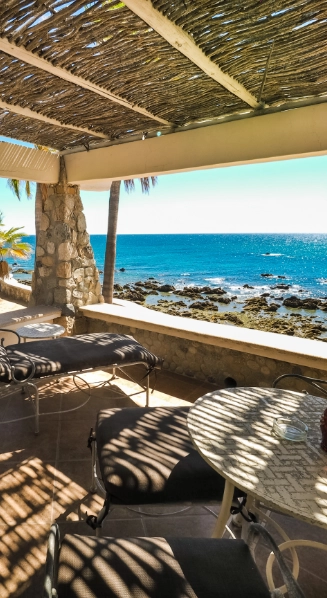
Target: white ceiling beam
[(28, 164), (184, 43), (16, 109), (45, 65), (284, 135)]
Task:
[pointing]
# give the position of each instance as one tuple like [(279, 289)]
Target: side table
[(42, 330)]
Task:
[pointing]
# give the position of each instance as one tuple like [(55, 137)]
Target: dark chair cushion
[(157, 568), (5, 369), (146, 456), (76, 353)]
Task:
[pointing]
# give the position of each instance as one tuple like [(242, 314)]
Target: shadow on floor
[(47, 478)]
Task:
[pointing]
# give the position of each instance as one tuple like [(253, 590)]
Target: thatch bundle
[(107, 44)]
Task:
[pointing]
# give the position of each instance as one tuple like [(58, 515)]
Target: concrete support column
[(65, 273)]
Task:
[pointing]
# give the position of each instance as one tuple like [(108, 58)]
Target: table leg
[(224, 512), (245, 524)]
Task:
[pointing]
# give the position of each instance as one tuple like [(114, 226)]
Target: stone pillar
[(65, 273)]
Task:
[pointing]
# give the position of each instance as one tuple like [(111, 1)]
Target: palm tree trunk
[(110, 257)]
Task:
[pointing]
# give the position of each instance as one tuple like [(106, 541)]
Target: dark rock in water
[(198, 305), (126, 286), (310, 303), (267, 253), (203, 305), (225, 300), (247, 286), (166, 288), (139, 283), (307, 303), (23, 271), (255, 304), (279, 298), (283, 286), (118, 287), (121, 269), (181, 304), (100, 271), (281, 277), (233, 297), (292, 302), (273, 307), (134, 296), (153, 292), (215, 297), (215, 291), (151, 278), (150, 285), (265, 295), (266, 275)]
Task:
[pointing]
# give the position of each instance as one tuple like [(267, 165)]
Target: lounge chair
[(23, 364), (85, 566), (146, 456)]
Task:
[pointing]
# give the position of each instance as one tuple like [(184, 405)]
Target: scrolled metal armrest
[(12, 367), (293, 588), (29, 377), (9, 330), (315, 382)]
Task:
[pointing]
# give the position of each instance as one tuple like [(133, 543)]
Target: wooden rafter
[(16, 109), (41, 63), (180, 40)]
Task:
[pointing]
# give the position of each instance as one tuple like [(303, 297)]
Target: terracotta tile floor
[(47, 478)]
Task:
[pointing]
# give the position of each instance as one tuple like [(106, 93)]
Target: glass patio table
[(232, 430)]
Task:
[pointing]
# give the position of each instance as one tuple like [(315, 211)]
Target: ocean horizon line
[(202, 234)]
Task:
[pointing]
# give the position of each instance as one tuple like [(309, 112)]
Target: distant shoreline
[(266, 311)]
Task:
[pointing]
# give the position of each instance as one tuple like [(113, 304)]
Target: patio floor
[(46, 478)]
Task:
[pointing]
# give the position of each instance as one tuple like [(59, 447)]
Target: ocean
[(226, 260)]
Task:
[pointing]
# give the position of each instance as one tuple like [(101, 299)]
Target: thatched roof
[(76, 73)]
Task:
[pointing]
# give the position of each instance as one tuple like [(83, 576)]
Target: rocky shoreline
[(276, 310), (268, 311)]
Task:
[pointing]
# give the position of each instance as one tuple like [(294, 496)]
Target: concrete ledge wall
[(204, 358), (14, 290)]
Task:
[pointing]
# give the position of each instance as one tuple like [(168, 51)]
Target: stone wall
[(65, 273), (221, 366), (14, 290)]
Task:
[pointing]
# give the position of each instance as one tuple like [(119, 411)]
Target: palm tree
[(16, 187), (11, 245), (41, 191), (110, 255)]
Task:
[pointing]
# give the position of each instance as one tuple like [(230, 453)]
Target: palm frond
[(28, 190), (145, 185), (15, 186), (129, 185)]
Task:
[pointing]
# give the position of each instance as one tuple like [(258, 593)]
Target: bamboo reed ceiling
[(109, 46)]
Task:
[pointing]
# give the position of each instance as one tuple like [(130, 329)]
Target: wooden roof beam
[(16, 109), (184, 43), (45, 65)]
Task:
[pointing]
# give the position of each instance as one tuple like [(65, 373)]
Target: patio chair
[(315, 382), (23, 364), (84, 566), (146, 456)]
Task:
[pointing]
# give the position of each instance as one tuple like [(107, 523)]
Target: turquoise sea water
[(223, 260)]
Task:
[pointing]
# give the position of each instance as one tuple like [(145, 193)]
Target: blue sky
[(286, 196)]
